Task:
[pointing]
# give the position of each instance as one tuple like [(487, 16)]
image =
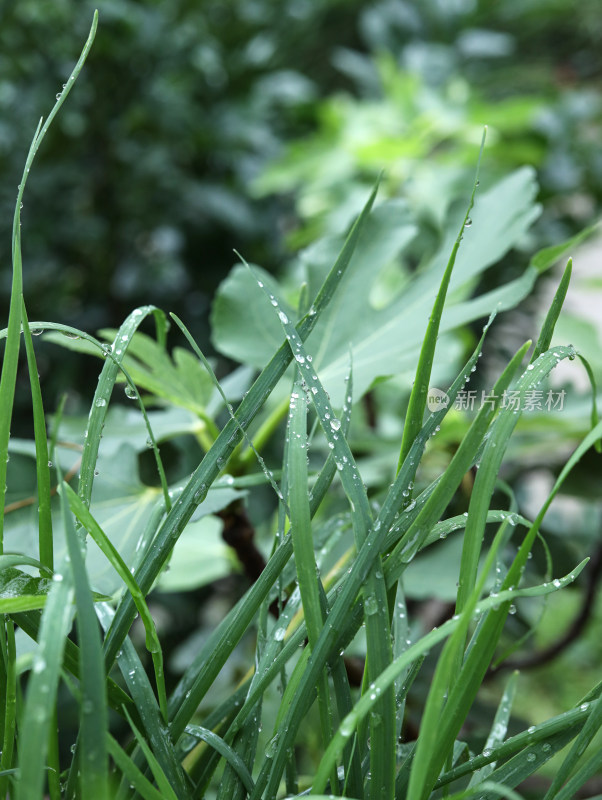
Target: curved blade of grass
[(229, 437), (382, 725), (406, 659), (150, 716), (495, 789), (592, 380), (101, 401), (42, 688), (587, 733), (465, 687), (354, 583), (268, 473), (167, 792), (42, 457), (417, 402), (555, 732), (153, 645), (227, 753), (135, 778), (491, 460), (93, 761), (11, 353), (15, 559)]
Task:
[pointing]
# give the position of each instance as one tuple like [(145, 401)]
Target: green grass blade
[(412, 654), (100, 403), (208, 470), (167, 792), (547, 330), (431, 512), (498, 728), (135, 778), (587, 733), (494, 789), (42, 688), (149, 714), (479, 656), (382, 724), (594, 415), (153, 645), (417, 402), (42, 456), (303, 548), (11, 353), (93, 759), (227, 753), (9, 701)]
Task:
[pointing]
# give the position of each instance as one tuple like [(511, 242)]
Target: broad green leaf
[(122, 505), (180, 379), (22, 592), (200, 556), (385, 340)]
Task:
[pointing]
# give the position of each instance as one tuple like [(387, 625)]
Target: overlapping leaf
[(386, 340)]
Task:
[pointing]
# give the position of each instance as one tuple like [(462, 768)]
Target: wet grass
[(172, 752)]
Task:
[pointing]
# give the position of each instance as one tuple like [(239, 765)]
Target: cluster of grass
[(168, 754)]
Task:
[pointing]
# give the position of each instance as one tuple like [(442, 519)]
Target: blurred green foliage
[(143, 188)]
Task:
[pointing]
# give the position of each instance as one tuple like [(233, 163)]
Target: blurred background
[(201, 127)]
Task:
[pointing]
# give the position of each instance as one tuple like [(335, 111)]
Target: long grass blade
[(93, 759), (413, 653), (479, 656), (227, 753), (134, 776), (587, 733), (153, 645), (300, 517), (547, 329), (382, 724), (11, 352), (9, 706), (199, 483), (42, 455), (417, 402), (147, 709), (42, 688)]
